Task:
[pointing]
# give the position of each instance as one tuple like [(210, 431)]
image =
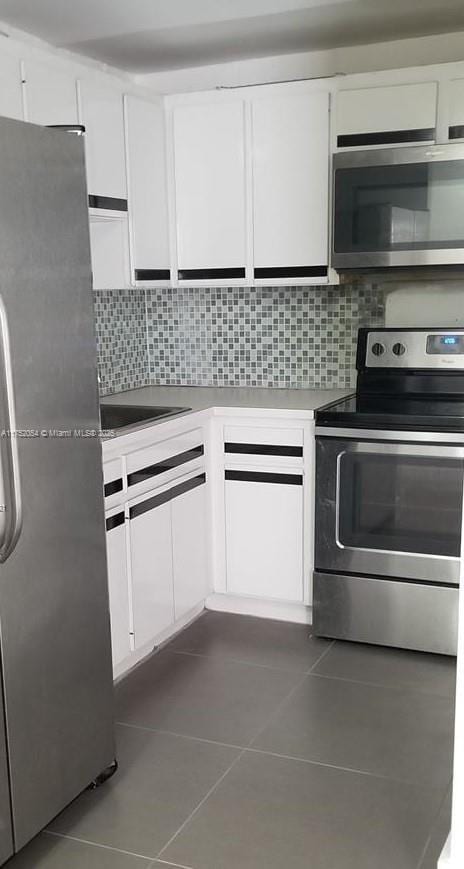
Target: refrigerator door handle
[(10, 488)]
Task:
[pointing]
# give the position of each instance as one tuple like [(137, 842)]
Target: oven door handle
[(425, 451)]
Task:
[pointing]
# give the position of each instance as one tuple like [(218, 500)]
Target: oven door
[(389, 509)]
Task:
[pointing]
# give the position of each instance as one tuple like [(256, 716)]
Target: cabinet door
[(151, 568), (146, 167), (209, 170), (456, 114), (109, 248), (386, 115), (291, 186), (11, 98), (264, 534), (118, 586), (102, 115), (51, 96), (189, 550)]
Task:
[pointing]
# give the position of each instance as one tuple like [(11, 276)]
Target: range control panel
[(399, 348)]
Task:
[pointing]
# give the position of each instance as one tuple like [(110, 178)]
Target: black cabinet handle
[(386, 137), (112, 487), (264, 477), (263, 449), (115, 521), (164, 497), (166, 465), (291, 272)]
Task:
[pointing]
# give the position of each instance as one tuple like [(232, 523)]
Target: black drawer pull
[(111, 203), (262, 477), (152, 274), (114, 521), (158, 500), (386, 137), (112, 487), (166, 465), (456, 131), (210, 274), (291, 272), (263, 449)]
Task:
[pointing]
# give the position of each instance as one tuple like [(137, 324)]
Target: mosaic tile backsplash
[(241, 336), (121, 327)]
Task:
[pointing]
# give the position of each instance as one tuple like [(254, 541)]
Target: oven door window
[(400, 503), (413, 206)]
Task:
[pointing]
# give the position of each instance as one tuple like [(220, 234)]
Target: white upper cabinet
[(147, 194), (11, 98), (50, 94), (290, 157), (102, 116), (456, 109), (209, 189), (391, 115)]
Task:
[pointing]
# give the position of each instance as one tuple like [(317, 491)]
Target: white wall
[(422, 303), (441, 48)]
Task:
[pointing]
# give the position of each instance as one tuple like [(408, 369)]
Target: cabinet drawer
[(263, 436), (263, 447), (163, 462)]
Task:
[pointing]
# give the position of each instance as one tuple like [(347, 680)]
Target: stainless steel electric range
[(389, 483)]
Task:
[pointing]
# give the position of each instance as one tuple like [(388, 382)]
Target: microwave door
[(401, 207)]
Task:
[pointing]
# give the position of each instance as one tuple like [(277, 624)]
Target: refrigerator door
[(54, 616)]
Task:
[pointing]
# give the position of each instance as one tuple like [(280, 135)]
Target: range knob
[(399, 349), (378, 349)]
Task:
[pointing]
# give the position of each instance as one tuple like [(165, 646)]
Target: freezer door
[(54, 615)]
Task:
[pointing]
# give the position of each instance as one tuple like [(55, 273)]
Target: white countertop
[(204, 397)]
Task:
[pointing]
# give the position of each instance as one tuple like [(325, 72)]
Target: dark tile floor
[(249, 744)]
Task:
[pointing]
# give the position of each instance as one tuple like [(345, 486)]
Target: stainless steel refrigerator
[(56, 731)]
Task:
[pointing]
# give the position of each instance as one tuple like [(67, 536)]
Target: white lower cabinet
[(118, 587), (264, 534), (189, 550), (151, 568)]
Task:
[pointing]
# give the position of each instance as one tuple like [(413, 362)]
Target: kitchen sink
[(116, 416)]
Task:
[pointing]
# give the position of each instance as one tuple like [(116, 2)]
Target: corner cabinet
[(208, 151), (157, 508)]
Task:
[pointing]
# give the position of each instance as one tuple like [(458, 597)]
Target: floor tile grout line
[(256, 750), (349, 769), (393, 687), (201, 803), (158, 860), (433, 825), (235, 661), (321, 657), (279, 708), (147, 729), (99, 845)]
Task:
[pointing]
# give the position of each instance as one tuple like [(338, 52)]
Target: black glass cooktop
[(395, 413)]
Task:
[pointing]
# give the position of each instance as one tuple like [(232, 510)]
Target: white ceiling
[(144, 36)]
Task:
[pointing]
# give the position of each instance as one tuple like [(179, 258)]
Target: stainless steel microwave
[(398, 207)]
